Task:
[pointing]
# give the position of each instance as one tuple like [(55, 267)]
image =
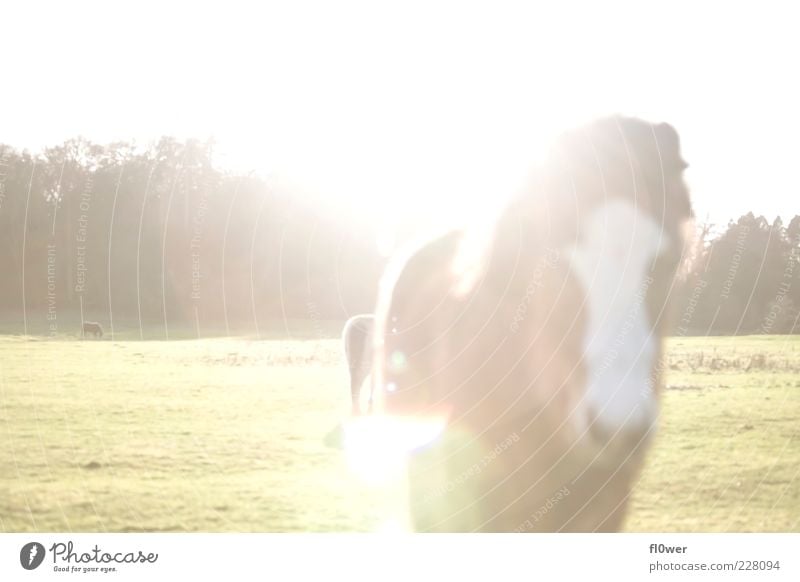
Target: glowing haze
[(421, 107)]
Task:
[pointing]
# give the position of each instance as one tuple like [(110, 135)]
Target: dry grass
[(228, 435)]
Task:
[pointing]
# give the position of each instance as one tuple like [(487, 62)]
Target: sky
[(415, 106)]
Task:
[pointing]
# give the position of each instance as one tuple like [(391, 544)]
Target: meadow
[(229, 435)]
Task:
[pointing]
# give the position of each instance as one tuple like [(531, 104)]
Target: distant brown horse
[(94, 328), (537, 348)]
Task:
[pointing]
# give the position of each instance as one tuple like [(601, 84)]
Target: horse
[(357, 337), (534, 344), (94, 328)]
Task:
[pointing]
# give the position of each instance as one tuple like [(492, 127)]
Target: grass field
[(228, 435)]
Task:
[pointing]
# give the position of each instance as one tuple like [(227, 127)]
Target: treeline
[(743, 280), (160, 235)]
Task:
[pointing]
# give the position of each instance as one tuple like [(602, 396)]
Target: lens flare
[(377, 446)]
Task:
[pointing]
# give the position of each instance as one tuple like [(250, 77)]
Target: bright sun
[(437, 170), (422, 109)]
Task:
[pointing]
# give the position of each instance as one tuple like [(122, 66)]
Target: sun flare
[(377, 446)]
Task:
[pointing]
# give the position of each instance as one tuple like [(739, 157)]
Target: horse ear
[(673, 164), (669, 146)]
